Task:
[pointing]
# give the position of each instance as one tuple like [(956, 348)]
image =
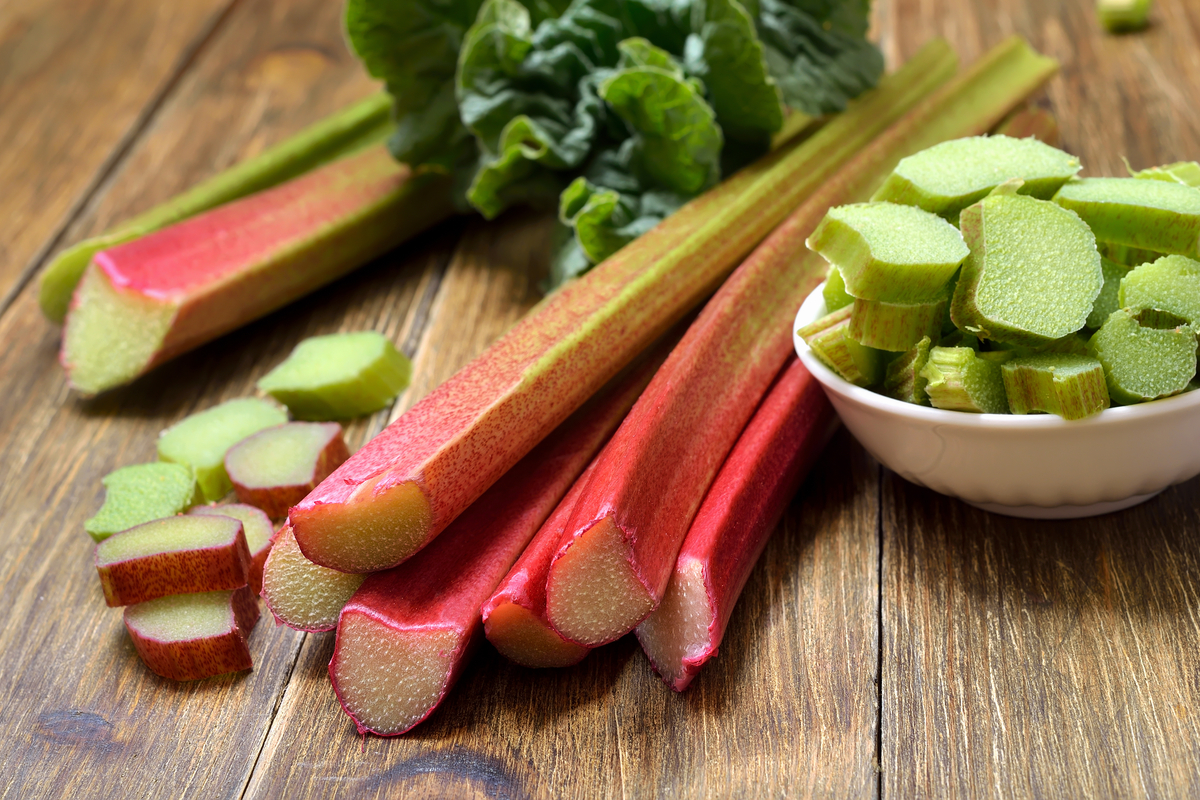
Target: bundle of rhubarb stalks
[(606, 467)]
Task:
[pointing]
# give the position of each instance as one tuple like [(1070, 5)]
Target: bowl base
[(1064, 512)]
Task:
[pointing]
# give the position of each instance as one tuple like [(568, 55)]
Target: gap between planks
[(124, 146)]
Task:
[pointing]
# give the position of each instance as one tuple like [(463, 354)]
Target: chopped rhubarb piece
[(413, 626), (890, 252), (834, 291), (1119, 16), (365, 123), (762, 473), (141, 493), (830, 340), (1153, 215), (1171, 283), (275, 468), (339, 376), (619, 548), (1108, 299), (257, 529), (176, 555), (407, 484), (1068, 385), (201, 440), (903, 379), (950, 176), (1033, 273), (1183, 172), (303, 595), (959, 379), (514, 617), (1144, 363), (896, 327), (186, 637), (144, 302)]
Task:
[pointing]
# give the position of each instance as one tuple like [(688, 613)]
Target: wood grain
[(77, 80)]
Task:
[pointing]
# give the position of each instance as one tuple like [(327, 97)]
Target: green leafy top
[(621, 110)]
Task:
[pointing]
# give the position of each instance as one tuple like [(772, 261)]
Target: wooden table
[(892, 641)]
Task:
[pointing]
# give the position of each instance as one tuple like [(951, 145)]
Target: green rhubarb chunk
[(1073, 344), (142, 493), (1144, 363), (1153, 215), (1185, 172), (1071, 386), (339, 376), (950, 176), (903, 379), (1171, 284), (830, 342), (1118, 16), (1033, 273), (889, 252), (1107, 301), (347, 131), (897, 327), (959, 379), (201, 440), (835, 293)]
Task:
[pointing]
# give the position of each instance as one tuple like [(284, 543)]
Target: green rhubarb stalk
[(349, 130), (411, 481)]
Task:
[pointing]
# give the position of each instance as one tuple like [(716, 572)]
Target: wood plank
[(77, 78), (1040, 659), (788, 709), (85, 718)]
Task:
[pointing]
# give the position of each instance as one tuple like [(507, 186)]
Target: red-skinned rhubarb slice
[(514, 617), (146, 301), (402, 489), (275, 468), (414, 626), (186, 637), (176, 555), (256, 527), (618, 551), (763, 472)]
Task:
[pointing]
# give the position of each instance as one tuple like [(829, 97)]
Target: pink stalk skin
[(226, 267), (514, 617), (441, 590), (406, 485), (258, 558), (193, 659), (276, 500), (205, 569), (764, 470), (653, 475)]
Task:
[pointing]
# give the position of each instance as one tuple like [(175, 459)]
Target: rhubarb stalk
[(365, 123), (764, 470), (618, 550), (406, 634), (148, 300), (406, 485)]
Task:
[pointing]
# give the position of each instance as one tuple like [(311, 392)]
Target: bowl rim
[(813, 308)]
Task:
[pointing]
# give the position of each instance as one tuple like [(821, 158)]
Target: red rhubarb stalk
[(146, 301), (761, 474), (402, 489), (618, 550), (413, 626), (514, 617)]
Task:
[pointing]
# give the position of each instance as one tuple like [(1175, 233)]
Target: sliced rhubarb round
[(186, 637), (303, 595), (275, 468), (176, 555), (258, 530)]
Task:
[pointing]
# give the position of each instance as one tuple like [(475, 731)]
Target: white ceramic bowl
[(1035, 465)]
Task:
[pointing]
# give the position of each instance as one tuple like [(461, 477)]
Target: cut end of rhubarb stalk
[(593, 596), (186, 637), (112, 335), (257, 529), (676, 636), (276, 468), (524, 639), (369, 532), (389, 680), (303, 595)]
